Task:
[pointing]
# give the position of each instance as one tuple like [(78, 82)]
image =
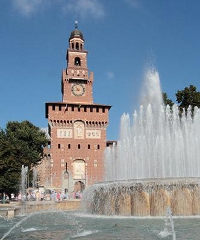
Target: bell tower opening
[(77, 46), (77, 61)]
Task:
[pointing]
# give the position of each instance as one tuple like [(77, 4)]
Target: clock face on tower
[(78, 89)]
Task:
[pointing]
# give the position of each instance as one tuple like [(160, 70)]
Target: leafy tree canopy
[(21, 143), (166, 100), (188, 97)]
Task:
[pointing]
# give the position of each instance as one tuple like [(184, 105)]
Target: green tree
[(188, 97), (20, 144), (166, 100)]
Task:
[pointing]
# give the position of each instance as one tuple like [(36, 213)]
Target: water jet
[(155, 163)]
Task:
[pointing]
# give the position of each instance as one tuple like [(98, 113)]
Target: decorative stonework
[(78, 130), (64, 133), (93, 134)]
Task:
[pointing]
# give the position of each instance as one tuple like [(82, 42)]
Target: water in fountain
[(35, 178), (169, 226), (159, 144), (24, 172), (23, 187), (154, 164), (69, 225)]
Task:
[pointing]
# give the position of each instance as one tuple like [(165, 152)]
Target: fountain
[(24, 179), (169, 226), (155, 164), (73, 225), (10, 210), (35, 178), (153, 167)]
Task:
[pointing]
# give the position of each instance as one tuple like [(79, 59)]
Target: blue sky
[(122, 38)]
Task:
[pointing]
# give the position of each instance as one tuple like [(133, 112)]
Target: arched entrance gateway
[(79, 176), (79, 186)]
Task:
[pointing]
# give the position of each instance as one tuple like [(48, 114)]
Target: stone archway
[(79, 187), (79, 177)]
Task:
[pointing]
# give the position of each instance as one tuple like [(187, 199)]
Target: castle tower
[(77, 126)]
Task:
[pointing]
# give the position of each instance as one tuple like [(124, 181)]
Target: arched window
[(77, 61), (77, 46)]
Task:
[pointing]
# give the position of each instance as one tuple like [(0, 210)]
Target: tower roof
[(76, 33)]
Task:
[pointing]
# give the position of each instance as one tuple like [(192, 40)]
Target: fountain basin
[(38, 206), (8, 210), (21, 208), (148, 197)]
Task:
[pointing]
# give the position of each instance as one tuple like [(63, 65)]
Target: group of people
[(36, 195), (4, 198), (58, 196)]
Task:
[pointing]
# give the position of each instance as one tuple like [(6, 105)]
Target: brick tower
[(77, 126)]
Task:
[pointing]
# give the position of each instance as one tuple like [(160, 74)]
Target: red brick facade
[(77, 126)]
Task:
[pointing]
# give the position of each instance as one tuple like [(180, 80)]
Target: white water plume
[(159, 143)]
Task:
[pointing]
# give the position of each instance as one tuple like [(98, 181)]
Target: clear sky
[(122, 38)]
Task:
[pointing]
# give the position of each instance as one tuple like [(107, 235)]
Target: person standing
[(12, 196)]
